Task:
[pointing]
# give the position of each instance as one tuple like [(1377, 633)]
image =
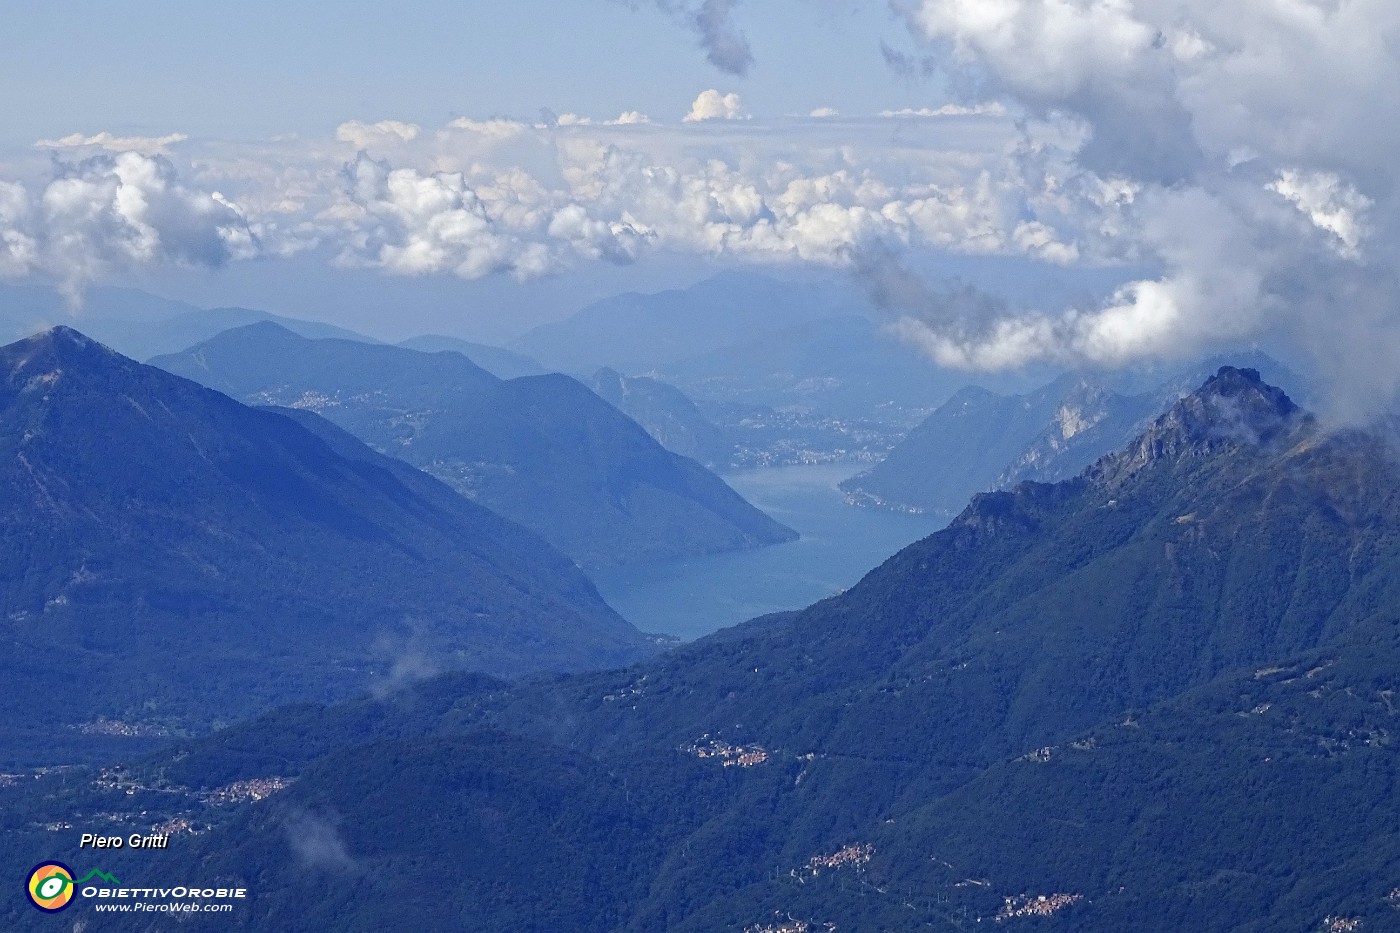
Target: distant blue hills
[(542, 450)]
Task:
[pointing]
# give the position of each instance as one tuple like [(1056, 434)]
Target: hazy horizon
[(1197, 178)]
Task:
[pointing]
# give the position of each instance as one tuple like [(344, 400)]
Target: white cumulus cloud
[(482, 197), (712, 105), (414, 223), (115, 211), (1329, 203)]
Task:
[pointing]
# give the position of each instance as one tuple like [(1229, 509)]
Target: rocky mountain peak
[(43, 357), (60, 340), (1233, 408)]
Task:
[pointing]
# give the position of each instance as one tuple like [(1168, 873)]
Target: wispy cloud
[(725, 46), (145, 145), (316, 842), (712, 21)]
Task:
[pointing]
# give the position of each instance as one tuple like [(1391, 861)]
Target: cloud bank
[(145, 145), (1244, 151), (1248, 148), (364, 135), (480, 197)]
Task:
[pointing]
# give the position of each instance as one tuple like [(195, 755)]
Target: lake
[(839, 545)]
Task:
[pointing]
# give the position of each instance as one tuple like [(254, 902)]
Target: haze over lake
[(839, 545)]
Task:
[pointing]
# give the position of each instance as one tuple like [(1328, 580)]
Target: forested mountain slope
[(1156, 696)]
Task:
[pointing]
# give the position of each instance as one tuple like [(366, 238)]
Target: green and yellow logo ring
[(50, 886)]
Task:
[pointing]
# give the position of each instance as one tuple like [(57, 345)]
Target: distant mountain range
[(497, 361), (173, 559), (636, 333), (788, 374), (544, 450), (1158, 696), (979, 440), (26, 309), (844, 367), (135, 323), (143, 340)]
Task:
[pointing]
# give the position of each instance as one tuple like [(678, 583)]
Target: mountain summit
[(1234, 408), (47, 353), (981, 440)]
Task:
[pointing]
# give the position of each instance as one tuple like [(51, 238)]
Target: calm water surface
[(839, 545)]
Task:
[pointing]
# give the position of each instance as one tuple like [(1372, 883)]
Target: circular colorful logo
[(50, 886)]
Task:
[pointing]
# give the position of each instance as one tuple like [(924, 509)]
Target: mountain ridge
[(635, 332), (972, 731), (666, 413), (542, 450), (980, 440)]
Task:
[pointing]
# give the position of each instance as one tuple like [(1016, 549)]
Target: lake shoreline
[(840, 543)]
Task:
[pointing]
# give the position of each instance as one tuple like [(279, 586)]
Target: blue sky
[(258, 68)]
